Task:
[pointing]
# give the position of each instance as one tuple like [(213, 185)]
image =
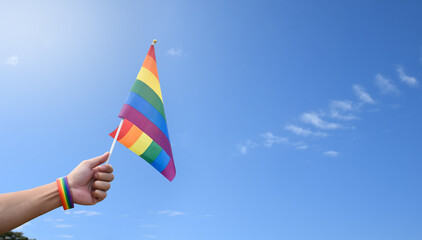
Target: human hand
[(90, 181)]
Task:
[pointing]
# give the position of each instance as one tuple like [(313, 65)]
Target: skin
[(88, 183)]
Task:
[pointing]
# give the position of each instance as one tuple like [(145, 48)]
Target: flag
[(144, 130)]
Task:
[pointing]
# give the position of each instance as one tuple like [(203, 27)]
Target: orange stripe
[(62, 196), (130, 138), (150, 64)]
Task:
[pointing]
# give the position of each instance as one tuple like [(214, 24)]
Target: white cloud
[(243, 148), (63, 226), (148, 226), (363, 95), (65, 236), (84, 213), (12, 61), (331, 153), (347, 117), (341, 110), (53, 220), (314, 119), (175, 52), (342, 105), (300, 145), (411, 81), (270, 139), (149, 236), (304, 132), (385, 85), (171, 213)]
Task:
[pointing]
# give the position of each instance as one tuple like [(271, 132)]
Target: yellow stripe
[(149, 79), (141, 144)]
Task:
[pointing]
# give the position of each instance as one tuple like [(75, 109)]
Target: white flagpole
[(115, 138)]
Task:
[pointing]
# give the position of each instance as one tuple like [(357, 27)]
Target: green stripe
[(149, 95), (152, 152)]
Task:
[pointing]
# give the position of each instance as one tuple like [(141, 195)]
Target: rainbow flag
[(144, 130)]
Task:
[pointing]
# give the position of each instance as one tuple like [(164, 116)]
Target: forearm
[(19, 207)]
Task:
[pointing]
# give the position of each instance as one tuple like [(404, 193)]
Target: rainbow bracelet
[(65, 195)]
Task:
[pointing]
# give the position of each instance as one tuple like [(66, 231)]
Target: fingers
[(93, 162), (103, 176), (101, 185), (99, 195), (104, 168)]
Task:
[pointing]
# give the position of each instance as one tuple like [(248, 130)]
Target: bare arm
[(88, 184)]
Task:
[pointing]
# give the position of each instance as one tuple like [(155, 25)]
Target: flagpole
[(114, 140)]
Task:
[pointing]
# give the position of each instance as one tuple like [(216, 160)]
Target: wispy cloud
[(411, 81), (244, 148), (304, 132), (385, 85), (63, 226), (342, 105), (65, 236), (84, 213), (175, 52), (12, 60), (270, 139), (171, 213), (300, 145), (315, 119), (54, 220), (148, 226), (343, 110), (362, 94), (331, 153), (149, 236)]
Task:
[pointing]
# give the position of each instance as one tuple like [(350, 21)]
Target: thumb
[(93, 162)]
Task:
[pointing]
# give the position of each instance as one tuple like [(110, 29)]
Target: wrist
[(65, 193)]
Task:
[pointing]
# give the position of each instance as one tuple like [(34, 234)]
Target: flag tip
[(154, 41)]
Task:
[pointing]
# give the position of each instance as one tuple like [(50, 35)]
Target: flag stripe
[(130, 138), (170, 171), (144, 107), (144, 147), (149, 63), (139, 120), (149, 79), (151, 52), (141, 144), (123, 131), (149, 95), (152, 152), (161, 161)]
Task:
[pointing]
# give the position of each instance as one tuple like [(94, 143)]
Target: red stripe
[(123, 131), (143, 123), (151, 52)]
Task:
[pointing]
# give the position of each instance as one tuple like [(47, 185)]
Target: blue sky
[(288, 119)]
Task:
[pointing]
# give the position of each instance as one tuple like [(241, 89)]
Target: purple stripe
[(143, 123), (170, 171), (68, 190)]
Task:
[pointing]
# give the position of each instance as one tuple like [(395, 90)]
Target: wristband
[(65, 195)]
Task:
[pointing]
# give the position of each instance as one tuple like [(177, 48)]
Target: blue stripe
[(160, 163), (149, 111)]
